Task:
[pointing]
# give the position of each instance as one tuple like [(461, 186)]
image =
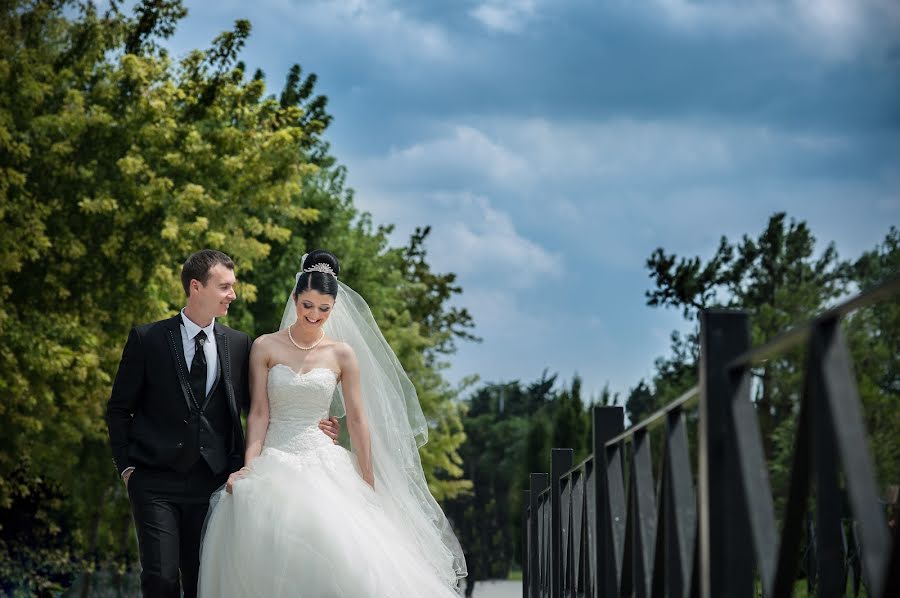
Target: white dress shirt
[(188, 331)]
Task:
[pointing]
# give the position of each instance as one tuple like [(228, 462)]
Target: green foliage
[(640, 402), (873, 335), (37, 537), (510, 429), (780, 280), (428, 295), (116, 162), (775, 277), (571, 424)]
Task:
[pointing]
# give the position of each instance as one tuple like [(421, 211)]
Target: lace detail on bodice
[(296, 404)]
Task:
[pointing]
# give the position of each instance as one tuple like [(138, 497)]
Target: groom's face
[(216, 295)]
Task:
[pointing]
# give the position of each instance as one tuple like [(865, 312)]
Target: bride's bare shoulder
[(343, 352), (265, 342)]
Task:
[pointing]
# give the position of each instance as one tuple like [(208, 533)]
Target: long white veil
[(397, 429)]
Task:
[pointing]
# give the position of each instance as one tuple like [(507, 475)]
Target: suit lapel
[(224, 353), (216, 381), (173, 333)]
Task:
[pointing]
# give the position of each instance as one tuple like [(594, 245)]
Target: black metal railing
[(606, 528)]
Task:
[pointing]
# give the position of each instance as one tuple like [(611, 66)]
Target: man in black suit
[(174, 422)]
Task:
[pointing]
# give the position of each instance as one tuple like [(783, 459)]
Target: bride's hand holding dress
[(258, 416)]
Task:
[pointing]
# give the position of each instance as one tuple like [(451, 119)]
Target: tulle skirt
[(309, 526)]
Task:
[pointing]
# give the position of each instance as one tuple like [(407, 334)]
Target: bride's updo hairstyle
[(318, 280)]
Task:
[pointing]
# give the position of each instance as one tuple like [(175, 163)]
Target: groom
[(174, 422)]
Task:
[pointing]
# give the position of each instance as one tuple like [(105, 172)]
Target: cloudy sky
[(553, 145)]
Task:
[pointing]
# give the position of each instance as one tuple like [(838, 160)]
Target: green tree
[(116, 162), (510, 428), (428, 294), (640, 402), (114, 166), (776, 278), (571, 424), (874, 338), (490, 458), (780, 280)]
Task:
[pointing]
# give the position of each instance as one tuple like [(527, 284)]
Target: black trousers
[(169, 510)]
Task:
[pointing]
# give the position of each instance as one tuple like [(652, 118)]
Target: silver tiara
[(321, 267)]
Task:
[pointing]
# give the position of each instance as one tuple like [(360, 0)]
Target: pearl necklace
[(309, 348)]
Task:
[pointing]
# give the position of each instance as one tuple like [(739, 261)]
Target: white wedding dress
[(303, 523)]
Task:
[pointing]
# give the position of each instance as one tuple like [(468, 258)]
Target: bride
[(305, 517)]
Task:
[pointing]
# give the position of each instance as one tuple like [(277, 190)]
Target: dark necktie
[(198, 369)]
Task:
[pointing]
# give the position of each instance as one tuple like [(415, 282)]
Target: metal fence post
[(726, 556), (839, 440), (608, 422), (526, 525), (560, 463), (538, 482)]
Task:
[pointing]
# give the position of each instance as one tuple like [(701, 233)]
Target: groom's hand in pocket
[(331, 427), (126, 475)]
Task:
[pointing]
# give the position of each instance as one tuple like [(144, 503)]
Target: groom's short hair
[(198, 265)]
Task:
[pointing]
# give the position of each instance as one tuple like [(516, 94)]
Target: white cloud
[(462, 153), (446, 181), (466, 150), (538, 158), (631, 153), (478, 238), (388, 32), (615, 148), (507, 16), (835, 29), (498, 312), (613, 190), (470, 236), (841, 23)]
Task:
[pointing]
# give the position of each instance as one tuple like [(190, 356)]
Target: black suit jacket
[(150, 404)]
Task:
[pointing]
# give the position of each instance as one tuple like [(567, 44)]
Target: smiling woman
[(271, 531)]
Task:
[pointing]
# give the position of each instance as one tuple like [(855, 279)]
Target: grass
[(515, 575)]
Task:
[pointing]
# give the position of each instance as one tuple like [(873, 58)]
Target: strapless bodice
[(296, 404)]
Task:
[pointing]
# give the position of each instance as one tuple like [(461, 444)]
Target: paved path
[(498, 589), (103, 588)]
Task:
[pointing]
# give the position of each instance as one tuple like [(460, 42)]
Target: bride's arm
[(258, 417), (357, 424)]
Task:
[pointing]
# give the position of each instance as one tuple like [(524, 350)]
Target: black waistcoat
[(209, 431)]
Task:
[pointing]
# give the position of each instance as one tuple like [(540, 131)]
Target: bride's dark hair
[(318, 281)]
